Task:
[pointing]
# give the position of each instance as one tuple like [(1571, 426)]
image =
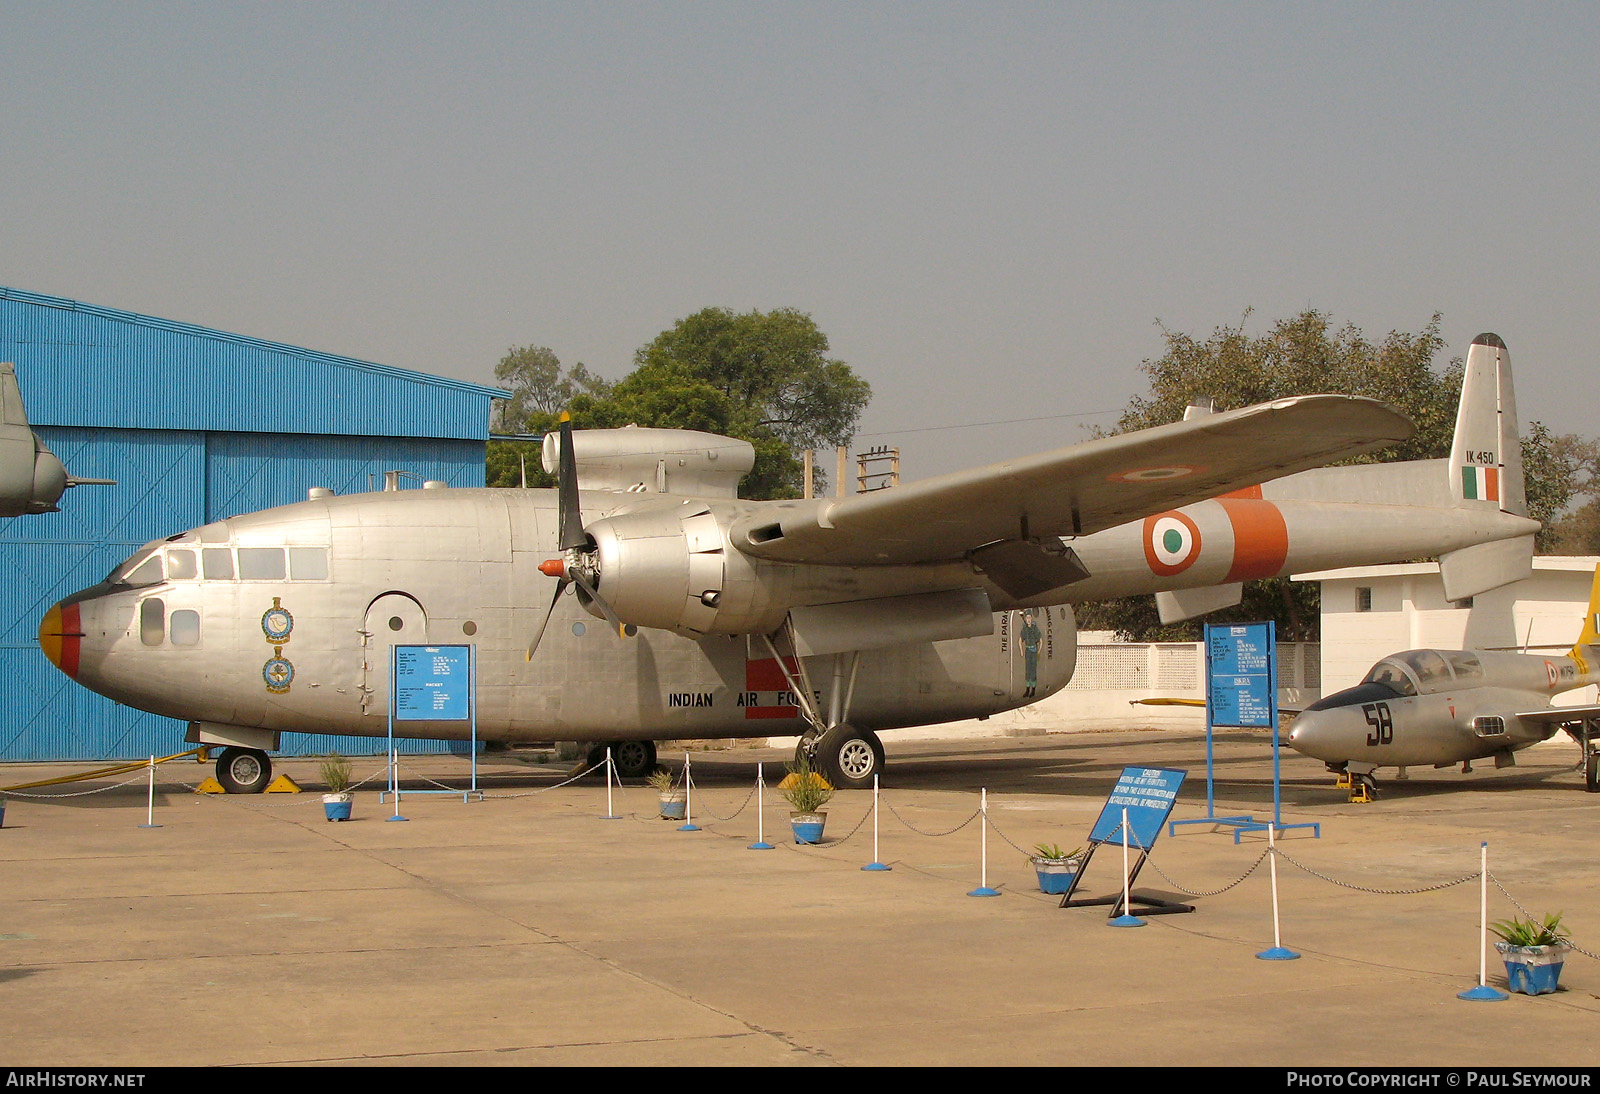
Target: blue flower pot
[(336, 807), (1055, 876), (807, 826), (674, 807), (1533, 970)]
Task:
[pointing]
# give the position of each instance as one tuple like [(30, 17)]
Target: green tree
[(763, 377), (1304, 355), (539, 388)]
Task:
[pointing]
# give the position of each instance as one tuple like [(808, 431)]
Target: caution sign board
[(1148, 794)]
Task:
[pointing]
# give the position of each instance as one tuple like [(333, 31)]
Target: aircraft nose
[(60, 637), (1314, 734)]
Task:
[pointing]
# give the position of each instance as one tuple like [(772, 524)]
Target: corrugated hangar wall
[(195, 425)]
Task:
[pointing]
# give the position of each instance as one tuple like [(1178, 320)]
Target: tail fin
[(1591, 622), (1486, 456), (1486, 472)]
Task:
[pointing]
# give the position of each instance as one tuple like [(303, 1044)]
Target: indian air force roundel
[(1171, 543)]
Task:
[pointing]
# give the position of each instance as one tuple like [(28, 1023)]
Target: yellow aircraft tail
[(1591, 624)]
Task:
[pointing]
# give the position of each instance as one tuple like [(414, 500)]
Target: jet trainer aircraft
[(944, 599), (32, 479), (1444, 707)]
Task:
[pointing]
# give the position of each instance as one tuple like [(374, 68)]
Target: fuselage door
[(392, 619)]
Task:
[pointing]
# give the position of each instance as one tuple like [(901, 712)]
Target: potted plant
[(1055, 868), (806, 792), (336, 776), (1534, 951), (673, 800)]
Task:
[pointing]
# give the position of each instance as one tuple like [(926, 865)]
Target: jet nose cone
[(60, 635), (1316, 734)]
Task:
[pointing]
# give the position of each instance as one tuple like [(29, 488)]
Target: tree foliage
[(1305, 355), (539, 387), (762, 376)]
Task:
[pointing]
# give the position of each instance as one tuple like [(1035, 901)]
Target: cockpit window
[(1432, 669), (180, 565), (1391, 674), (1467, 666), (218, 563), (261, 564), (140, 570)]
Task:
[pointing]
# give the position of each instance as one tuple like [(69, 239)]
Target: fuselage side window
[(308, 563), (152, 621), (218, 563), (261, 564), (184, 627)]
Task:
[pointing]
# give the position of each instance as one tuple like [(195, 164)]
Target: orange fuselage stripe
[(1260, 538)]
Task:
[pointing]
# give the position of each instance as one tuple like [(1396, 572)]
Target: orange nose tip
[(59, 636), (553, 567)]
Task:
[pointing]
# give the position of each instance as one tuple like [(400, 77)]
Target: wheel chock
[(209, 786), (282, 785), (1360, 794)]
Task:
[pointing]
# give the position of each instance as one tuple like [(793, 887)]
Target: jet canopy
[(1423, 672)]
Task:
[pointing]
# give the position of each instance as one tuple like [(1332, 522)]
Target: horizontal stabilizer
[(1176, 605), (1484, 566)]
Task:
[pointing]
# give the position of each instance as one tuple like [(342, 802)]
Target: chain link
[(976, 813), (1462, 880)]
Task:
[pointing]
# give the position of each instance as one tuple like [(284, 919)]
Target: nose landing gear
[(244, 770)]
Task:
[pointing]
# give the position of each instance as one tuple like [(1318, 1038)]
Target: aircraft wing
[(1558, 715), (1016, 506)]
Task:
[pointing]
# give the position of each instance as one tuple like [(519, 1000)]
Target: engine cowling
[(671, 568)]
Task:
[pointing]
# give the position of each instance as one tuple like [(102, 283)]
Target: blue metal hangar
[(195, 425)]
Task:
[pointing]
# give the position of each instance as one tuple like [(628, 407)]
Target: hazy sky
[(987, 207)]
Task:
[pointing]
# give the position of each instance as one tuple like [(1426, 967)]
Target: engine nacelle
[(669, 568)]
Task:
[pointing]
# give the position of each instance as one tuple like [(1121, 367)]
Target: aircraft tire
[(849, 757), (244, 770), (634, 759), (1591, 772)]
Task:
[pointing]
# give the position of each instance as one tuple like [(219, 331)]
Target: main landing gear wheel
[(244, 770), (634, 759), (1591, 772), (849, 757)]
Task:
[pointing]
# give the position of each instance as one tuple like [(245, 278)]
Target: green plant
[(336, 773), (804, 789), (1053, 852), (1531, 932), (661, 780)]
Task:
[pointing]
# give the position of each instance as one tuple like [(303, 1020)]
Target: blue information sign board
[(1241, 663), (432, 683), (1148, 794)]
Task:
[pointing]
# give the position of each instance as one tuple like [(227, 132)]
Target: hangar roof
[(84, 365)]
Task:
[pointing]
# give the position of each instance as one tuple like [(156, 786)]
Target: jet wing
[(1072, 491), (1558, 715)]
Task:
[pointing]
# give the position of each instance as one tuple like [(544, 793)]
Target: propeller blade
[(594, 594), (561, 587), (572, 536)]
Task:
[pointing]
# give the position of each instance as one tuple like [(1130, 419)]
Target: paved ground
[(525, 929)]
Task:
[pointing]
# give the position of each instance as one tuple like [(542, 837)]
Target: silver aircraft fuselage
[(283, 620)]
